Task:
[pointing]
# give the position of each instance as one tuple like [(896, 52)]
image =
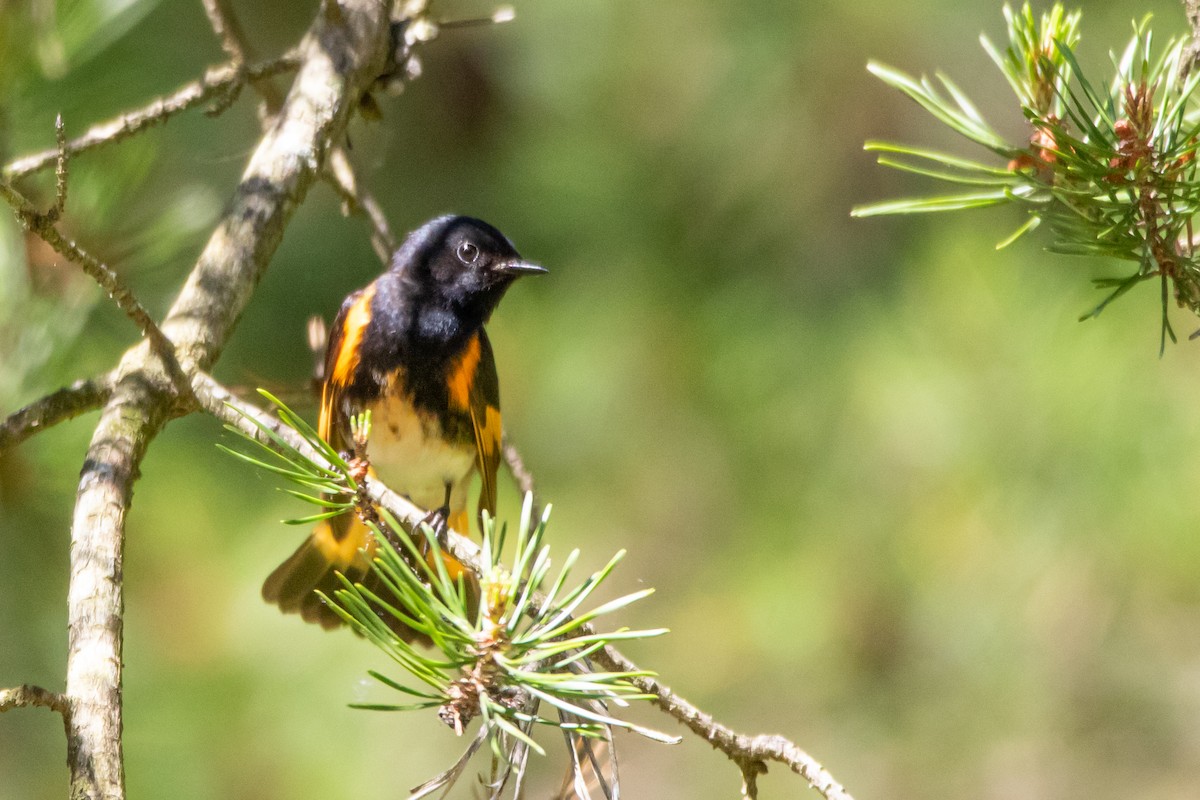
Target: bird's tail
[(346, 545)]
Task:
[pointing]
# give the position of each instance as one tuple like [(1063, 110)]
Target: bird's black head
[(461, 264)]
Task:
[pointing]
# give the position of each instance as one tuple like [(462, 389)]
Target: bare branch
[(499, 16), (340, 175), (218, 80), (225, 25), (43, 226), (65, 404), (520, 473), (129, 421), (750, 753), (336, 64), (1192, 8), (60, 170), (28, 696), (339, 172)]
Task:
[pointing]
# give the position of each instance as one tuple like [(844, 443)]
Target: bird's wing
[(474, 388)]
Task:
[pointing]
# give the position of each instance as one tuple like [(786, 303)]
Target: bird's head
[(463, 262)]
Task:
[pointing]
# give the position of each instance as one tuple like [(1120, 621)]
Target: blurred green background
[(898, 504)]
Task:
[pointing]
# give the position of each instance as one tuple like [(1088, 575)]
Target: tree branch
[(232, 36), (225, 24), (520, 473), (338, 61), (43, 225), (28, 696), (218, 80), (750, 753), (131, 418), (1192, 9), (65, 404), (339, 171), (355, 198)]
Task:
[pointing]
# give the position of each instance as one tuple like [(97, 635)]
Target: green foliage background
[(898, 504)]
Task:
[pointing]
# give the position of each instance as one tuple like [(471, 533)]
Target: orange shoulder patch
[(353, 326), (462, 375)]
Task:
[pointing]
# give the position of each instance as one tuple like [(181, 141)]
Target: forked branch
[(336, 62)]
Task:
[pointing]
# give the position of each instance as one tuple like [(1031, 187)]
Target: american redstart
[(411, 348)]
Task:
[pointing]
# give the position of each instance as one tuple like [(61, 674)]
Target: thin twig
[(217, 80), (749, 753), (60, 171), (520, 473), (229, 31), (502, 14), (42, 225), (339, 172), (356, 199), (65, 404), (225, 25), (29, 696)]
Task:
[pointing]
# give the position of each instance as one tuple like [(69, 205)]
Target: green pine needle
[(515, 645), (501, 648), (1113, 171)]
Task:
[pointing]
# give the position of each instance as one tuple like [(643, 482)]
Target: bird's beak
[(519, 268)]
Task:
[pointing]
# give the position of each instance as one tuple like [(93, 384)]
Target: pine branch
[(749, 753), (1110, 167)]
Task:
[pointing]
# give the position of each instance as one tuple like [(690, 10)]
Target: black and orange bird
[(411, 348)]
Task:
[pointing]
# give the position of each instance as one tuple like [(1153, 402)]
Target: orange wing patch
[(462, 376), (342, 359), (352, 331)]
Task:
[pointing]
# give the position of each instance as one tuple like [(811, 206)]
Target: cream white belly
[(410, 456)]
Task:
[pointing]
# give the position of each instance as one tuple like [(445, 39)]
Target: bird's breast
[(412, 454)]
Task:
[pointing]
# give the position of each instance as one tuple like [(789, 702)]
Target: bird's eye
[(467, 253)]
